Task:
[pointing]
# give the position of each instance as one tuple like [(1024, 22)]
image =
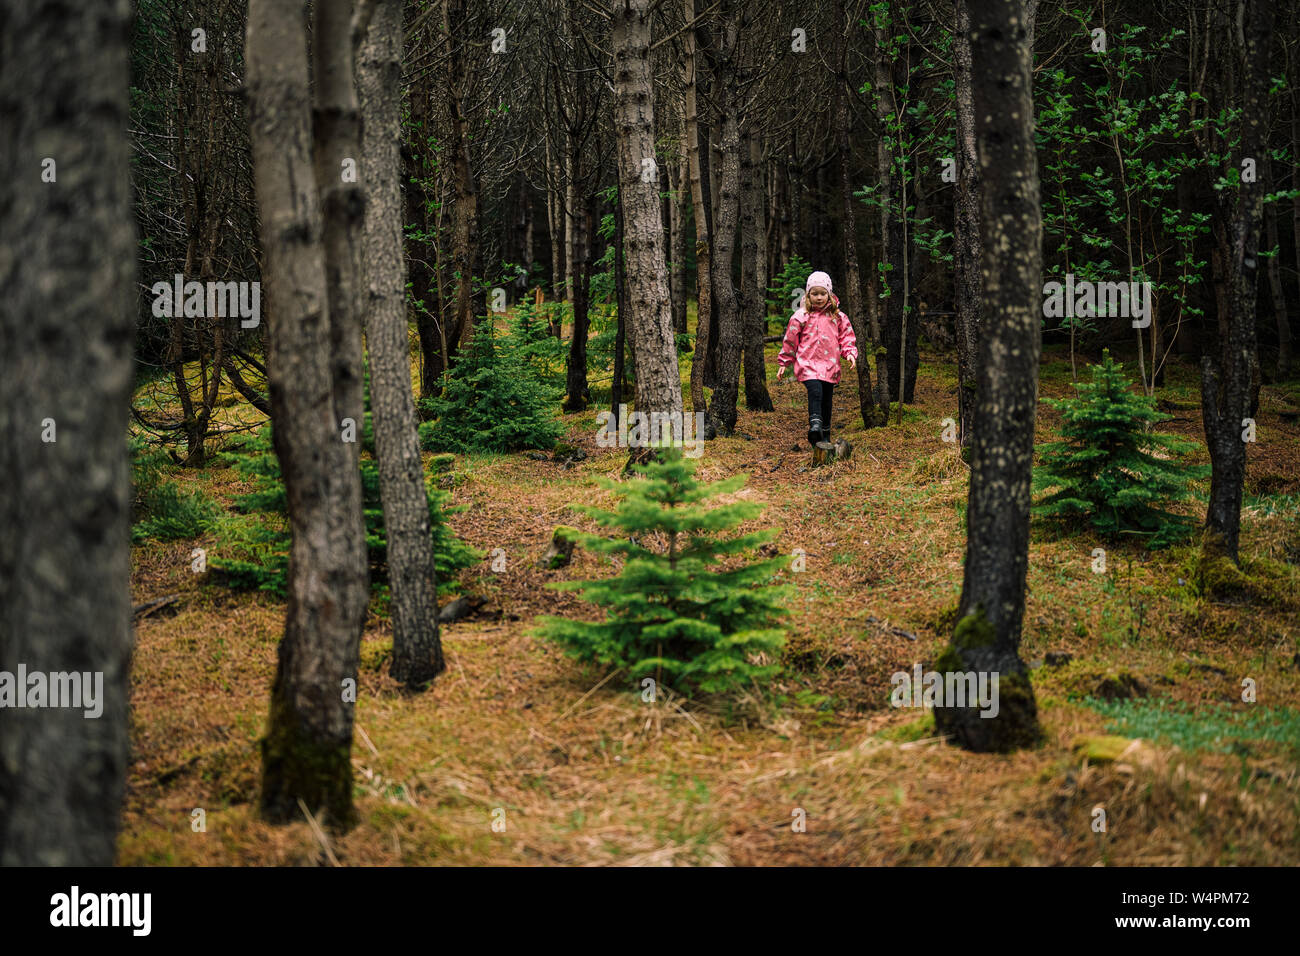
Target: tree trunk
[(617, 392), (891, 232), (555, 218), (467, 254), (576, 375), (658, 379), (571, 237), (848, 206), (700, 208), (966, 231), (1229, 383), (417, 650), (1279, 300), (1295, 182), (680, 173), (428, 317), (722, 404), (987, 637), (757, 398), (306, 754), (67, 280)]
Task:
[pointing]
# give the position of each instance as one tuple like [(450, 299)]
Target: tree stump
[(560, 553), (823, 453)]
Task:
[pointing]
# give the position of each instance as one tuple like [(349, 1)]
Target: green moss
[(1016, 726), (918, 729), (1218, 576), (1018, 712), (946, 619), (297, 765), (1100, 748), (949, 660), (974, 630), (1252, 579)]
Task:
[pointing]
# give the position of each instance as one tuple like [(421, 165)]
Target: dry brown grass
[(588, 774)]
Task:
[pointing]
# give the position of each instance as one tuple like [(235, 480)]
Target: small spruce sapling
[(496, 400), (1106, 469), (671, 613)]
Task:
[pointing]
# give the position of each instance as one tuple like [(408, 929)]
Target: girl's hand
[(853, 363), (779, 372)]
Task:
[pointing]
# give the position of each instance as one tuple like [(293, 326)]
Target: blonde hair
[(832, 305)]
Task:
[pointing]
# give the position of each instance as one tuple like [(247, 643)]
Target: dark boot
[(814, 431)]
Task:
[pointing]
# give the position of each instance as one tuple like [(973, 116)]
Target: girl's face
[(818, 297)]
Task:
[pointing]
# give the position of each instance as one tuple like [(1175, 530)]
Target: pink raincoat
[(815, 342)]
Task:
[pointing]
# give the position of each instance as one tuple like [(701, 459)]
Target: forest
[(649, 433)]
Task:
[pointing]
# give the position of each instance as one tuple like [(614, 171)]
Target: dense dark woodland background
[(1130, 155), (508, 153)]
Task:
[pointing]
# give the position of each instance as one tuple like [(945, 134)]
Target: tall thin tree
[(1229, 383), (722, 403), (417, 649), (987, 636), (658, 379), (965, 228), (315, 391)]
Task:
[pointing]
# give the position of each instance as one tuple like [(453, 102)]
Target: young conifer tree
[(495, 400), (1106, 469), (672, 614)]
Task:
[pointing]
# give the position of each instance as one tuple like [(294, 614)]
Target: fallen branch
[(890, 629), (148, 607)]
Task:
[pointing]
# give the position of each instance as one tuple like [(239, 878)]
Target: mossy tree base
[(417, 662), (1220, 577), (297, 765), (1015, 725)]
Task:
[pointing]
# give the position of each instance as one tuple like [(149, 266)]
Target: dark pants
[(819, 407)]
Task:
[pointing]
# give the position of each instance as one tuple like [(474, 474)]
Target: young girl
[(818, 335)]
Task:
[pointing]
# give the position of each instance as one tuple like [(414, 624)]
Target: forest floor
[(581, 771)]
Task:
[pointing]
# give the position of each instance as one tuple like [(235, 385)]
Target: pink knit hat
[(818, 280)]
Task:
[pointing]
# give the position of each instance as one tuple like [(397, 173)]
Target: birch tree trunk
[(417, 650), (67, 328), (306, 754), (987, 636)]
